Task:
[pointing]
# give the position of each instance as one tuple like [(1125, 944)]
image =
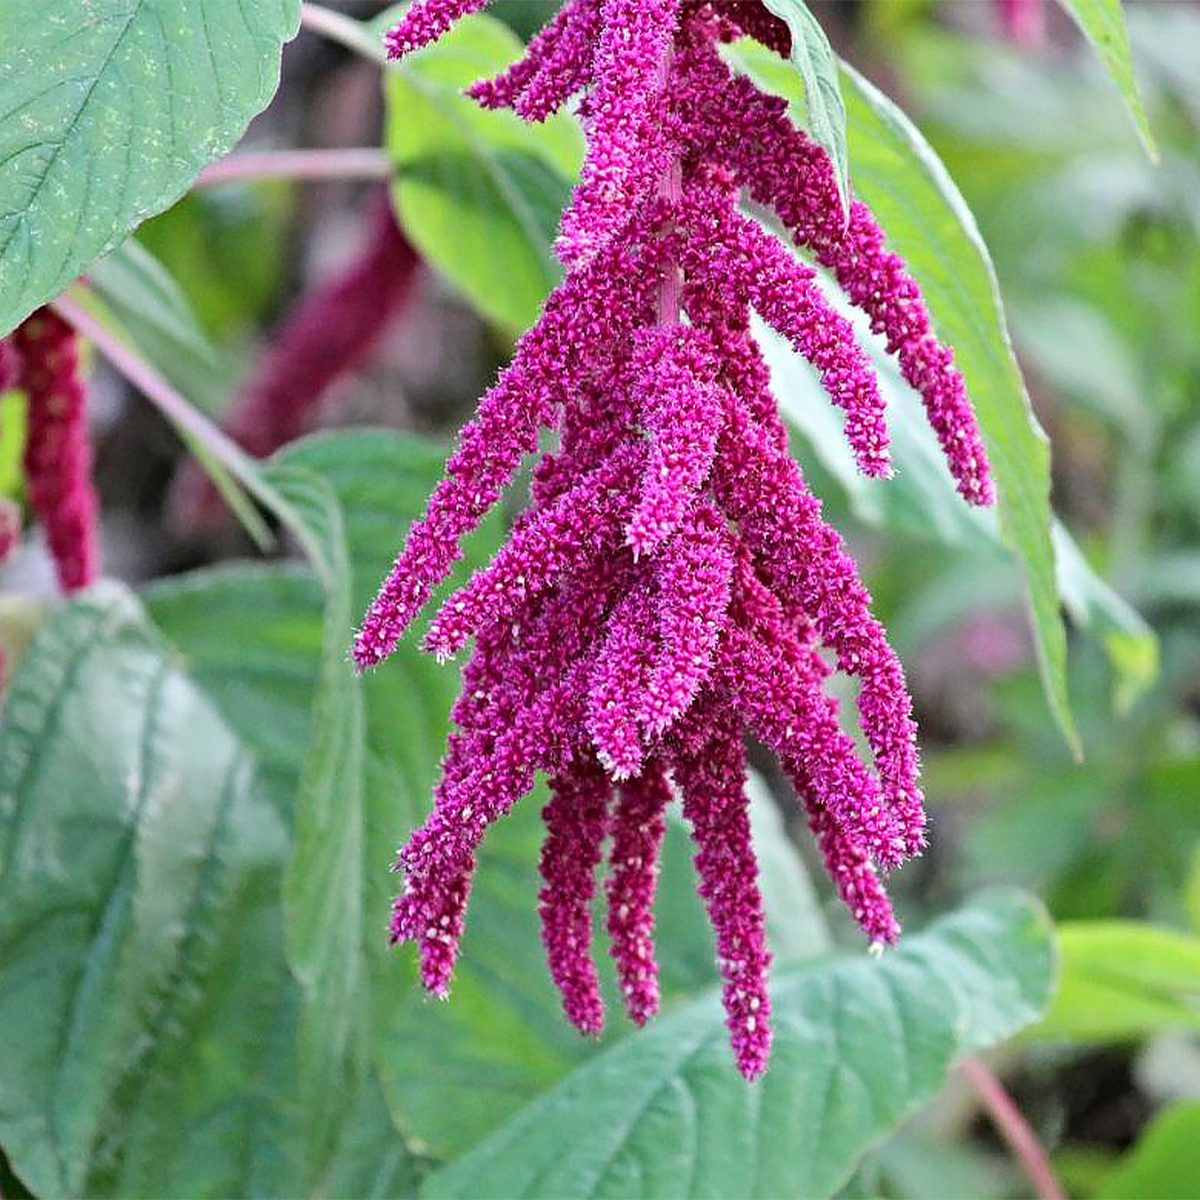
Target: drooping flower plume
[(673, 582), (58, 452)]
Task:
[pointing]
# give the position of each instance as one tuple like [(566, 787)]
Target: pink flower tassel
[(638, 828), (58, 454), (576, 819), (714, 803)]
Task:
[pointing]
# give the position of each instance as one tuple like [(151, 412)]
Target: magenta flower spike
[(712, 781), (425, 22), (58, 450), (638, 827), (672, 580), (681, 411), (625, 144), (617, 684), (10, 365), (576, 822), (557, 64)]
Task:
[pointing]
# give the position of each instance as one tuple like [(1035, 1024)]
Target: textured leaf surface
[(139, 868), (110, 109), (1121, 979), (452, 1071), (858, 1044), (479, 193), (323, 883), (823, 104), (1103, 24)]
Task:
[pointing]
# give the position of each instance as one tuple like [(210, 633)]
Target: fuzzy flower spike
[(672, 583)]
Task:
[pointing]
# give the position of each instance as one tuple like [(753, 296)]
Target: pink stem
[(350, 163), (1013, 1129)]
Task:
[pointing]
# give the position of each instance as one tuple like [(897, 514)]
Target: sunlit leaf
[(478, 192), (1103, 24), (1121, 979), (1165, 1162)]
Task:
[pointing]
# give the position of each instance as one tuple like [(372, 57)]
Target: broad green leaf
[(1121, 979), (110, 110), (251, 635), (139, 867), (1165, 1162), (920, 500), (926, 220), (1103, 24), (823, 104), (479, 193), (323, 885), (859, 1043)]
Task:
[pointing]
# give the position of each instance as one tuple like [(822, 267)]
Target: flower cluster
[(672, 584), (43, 360)]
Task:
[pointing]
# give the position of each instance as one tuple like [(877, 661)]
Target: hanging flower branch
[(672, 583)]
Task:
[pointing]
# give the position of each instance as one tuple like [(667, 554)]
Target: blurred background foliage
[(1098, 256)]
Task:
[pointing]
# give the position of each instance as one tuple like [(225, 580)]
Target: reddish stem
[(1012, 1127), (349, 163)]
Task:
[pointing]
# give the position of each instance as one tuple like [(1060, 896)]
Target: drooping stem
[(365, 162), (215, 445), (1012, 1127)]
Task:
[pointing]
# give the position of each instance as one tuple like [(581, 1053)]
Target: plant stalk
[(1012, 1127), (364, 162)]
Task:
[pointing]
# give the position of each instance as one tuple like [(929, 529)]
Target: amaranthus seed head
[(673, 581)]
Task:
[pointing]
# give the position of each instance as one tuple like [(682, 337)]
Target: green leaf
[(859, 1043), (13, 411), (926, 220), (1131, 645), (142, 295), (110, 110), (479, 193), (1103, 24), (139, 867), (323, 885), (1165, 1163), (823, 104), (1191, 892), (1121, 979), (251, 635)]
